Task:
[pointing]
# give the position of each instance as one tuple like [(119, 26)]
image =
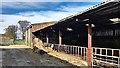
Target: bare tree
[(23, 25)]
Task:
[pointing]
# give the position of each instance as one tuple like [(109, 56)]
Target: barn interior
[(104, 19)]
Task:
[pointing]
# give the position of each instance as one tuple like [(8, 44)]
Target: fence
[(106, 57), (6, 41), (70, 49), (101, 56)]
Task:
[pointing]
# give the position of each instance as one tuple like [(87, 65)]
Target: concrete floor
[(26, 57)]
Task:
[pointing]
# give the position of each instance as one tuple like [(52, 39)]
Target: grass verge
[(19, 42)]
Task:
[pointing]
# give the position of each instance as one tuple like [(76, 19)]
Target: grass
[(19, 42), (16, 42), (4, 44)]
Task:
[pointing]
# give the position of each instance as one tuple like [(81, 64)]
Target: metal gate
[(106, 57)]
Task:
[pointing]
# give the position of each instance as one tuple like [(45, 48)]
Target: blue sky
[(40, 6), (36, 12)]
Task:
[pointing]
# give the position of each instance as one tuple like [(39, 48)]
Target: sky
[(38, 11)]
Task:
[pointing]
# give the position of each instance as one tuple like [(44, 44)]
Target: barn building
[(94, 32), (33, 28)]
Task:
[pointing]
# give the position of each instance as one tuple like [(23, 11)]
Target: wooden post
[(78, 51), (81, 52), (68, 49), (84, 53), (89, 51), (112, 55), (118, 62), (60, 37), (73, 50), (100, 54), (30, 37), (95, 53), (26, 37), (60, 40), (106, 54), (47, 39), (119, 53)]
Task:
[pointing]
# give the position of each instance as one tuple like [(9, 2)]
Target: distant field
[(19, 42)]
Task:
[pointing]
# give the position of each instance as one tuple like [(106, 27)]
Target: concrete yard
[(19, 56)]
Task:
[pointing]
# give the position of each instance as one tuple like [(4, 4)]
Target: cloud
[(23, 5), (43, 16), (1, 20), (8, 20), (53, 0), (39, 16), (74, 8), (33, 17)]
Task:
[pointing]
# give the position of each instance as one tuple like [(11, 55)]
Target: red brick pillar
[(89, 51)]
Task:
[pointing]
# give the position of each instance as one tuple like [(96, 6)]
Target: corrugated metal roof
[(94, 7)]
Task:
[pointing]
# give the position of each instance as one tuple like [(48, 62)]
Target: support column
[(60, 40), (60, 37), (26, 37), (31, 37), (89, 51), (47, 39)]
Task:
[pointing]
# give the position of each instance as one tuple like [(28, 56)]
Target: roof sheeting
[(99, 14)]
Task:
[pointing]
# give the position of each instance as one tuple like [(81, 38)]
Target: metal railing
[(101, 56), (70, 49), (106, 57)]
